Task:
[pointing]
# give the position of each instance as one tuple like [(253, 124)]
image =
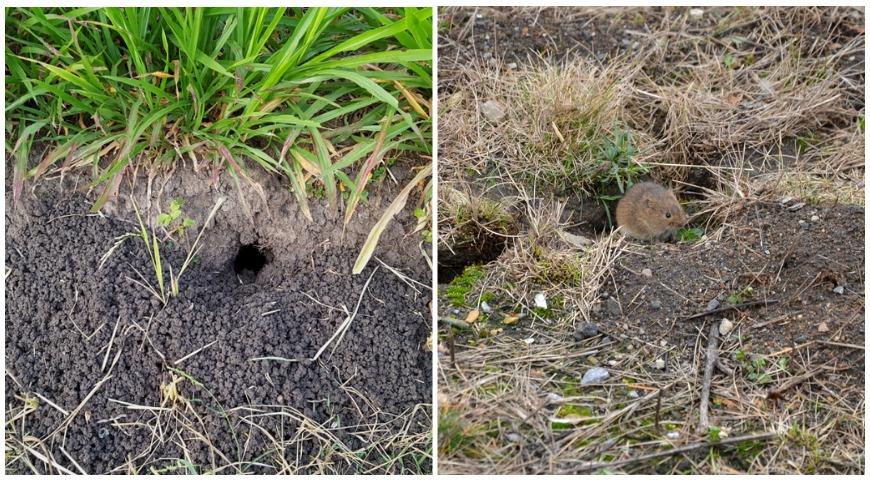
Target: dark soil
[(62, 314), (769, 251)]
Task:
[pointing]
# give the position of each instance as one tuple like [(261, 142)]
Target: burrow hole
[(250, 259)]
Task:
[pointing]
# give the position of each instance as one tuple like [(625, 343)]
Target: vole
[(649, 211)]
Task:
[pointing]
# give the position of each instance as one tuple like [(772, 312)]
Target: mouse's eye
[(667, 214)]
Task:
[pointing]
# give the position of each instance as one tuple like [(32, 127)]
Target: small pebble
[(673, 435), (660, 364), (696, 12), (485, 308), (712, 305), (663, 343), (514, 437), (646, 273), (633, 394), (839, 289), (655, 304), (814, 218), (595, 375), (612, 363), (512, 66), (586, 330), (456, 311), (540, 301), (725, 327), (796, 207), (103, 432), (823, 327)]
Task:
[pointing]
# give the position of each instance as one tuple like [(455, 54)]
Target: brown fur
[(649, 211)]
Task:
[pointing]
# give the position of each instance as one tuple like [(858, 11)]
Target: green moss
[(460, 288), (569, 411)]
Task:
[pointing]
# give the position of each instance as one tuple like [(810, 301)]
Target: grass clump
[(319, 96)]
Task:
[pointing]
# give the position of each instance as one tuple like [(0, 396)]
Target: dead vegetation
[(735, 107), (184, 418)]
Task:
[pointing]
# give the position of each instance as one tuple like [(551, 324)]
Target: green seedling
[(173, 221)]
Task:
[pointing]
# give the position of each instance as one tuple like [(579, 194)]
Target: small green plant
[(740, 297), (713, 434), (757, 371), (615, 159), (689, 234), (173, 220)]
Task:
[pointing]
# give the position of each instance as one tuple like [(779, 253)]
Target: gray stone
[(595, 375), (712, 305), (586, 330), (655, 304), (839, 289)]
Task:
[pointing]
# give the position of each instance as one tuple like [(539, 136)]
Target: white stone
[(540, 301), (696, 12), (726, 326), (660, 364)]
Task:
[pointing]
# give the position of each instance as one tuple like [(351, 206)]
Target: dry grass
[(739, 106), (189, 415), (295, 443)]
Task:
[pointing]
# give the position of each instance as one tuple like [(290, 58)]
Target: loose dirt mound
[(797, 259), (220, 379)]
